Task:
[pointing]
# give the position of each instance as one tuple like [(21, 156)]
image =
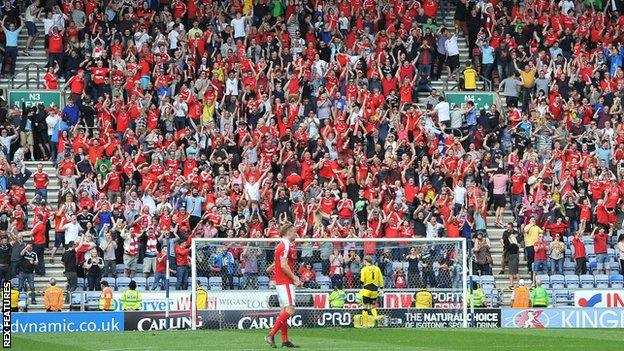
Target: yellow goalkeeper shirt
[(372, 280)]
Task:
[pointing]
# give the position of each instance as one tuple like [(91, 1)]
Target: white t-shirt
[(231, 86), (443, 109), (72, 231), (173, 39), (460, 195), (52, 121), (239, 27), (253, 190)]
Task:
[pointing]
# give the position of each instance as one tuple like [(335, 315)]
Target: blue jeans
[(30, 279), (43, 193), (602, 262), (159, 278), (182, 275), (556, 266), (540, 266)]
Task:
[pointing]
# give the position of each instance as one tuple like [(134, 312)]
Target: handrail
[(486, 83), (28, 78)]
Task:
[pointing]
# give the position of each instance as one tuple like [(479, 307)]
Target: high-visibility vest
[(423, 299), (131, 300), (539, 297), (477, 298), (337, 298), (521, 298), (202, 298), (53, 297), (104, 306), (15, 297), (470, 78)]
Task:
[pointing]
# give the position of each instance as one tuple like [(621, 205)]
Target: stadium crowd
[(226, 119)]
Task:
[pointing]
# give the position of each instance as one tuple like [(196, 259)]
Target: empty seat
[(562, 297), (487, 281), (122, 283), (324, 282), (141, 283), (587, 281), (568, 267), (149, 283), (611, 255), (474, 279), (215, 283), (82, 285), (203, 281), (617, 281), (602, 281), (614, 266), (557, 281), (572, 281), (317, 266), (263, 282), (119, 269), (589, 249), (173, 281), (545, 279)]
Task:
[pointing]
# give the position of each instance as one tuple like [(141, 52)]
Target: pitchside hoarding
[(258, 300), (563, 318), (309, 318), (599, 298)]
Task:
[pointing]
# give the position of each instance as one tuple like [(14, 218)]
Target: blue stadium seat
[(172, 283), (592, 265), (317, 266), (557, 281), (568, 255), (82, 284), (324, 282), (487, 281), (587, 281), (236, 283), (149, 283), (572, 281), (263, 282), (139, 268), (602, 281), (141, 283), (611, 255), (545, 279), (474, 279), (568, 267), (122, 283), (562, 297), (589, 242), (614, 266), (617, 281), (492, 298), (203, 281), (119, 269), (589, 249), (215, 283)]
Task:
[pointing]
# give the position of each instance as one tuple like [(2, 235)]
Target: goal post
[(241, 293)]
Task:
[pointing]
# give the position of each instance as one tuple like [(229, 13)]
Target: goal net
[(233, 289)]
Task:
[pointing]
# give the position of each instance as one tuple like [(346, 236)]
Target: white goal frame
[(461, 241)]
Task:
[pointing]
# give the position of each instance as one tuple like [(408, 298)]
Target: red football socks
[(281, 325)]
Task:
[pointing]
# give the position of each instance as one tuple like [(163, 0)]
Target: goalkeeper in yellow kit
[(372, 283)]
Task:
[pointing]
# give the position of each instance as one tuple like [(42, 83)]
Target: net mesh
[(241, 292)]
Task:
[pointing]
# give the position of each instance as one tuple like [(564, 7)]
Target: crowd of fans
[(225, 119)]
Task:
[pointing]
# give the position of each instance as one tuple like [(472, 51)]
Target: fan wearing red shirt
[(39, 233), (579, 254), (601, 237), (285, 281), (41, 181)]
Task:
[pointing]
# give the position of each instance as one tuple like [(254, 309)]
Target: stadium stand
[(191, 120)]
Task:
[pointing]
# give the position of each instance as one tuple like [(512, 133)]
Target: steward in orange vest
[(521, 297)]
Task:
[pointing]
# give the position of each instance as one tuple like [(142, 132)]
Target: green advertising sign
[(35, 97), (481, 100)]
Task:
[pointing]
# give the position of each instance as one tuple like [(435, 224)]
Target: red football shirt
[(284, 249)]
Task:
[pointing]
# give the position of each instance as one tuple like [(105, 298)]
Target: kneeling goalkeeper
[(372, 282)]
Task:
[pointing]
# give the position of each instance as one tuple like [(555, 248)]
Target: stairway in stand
[(52, 269), (37, 56)]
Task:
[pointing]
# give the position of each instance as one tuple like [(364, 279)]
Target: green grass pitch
[(333, 339)]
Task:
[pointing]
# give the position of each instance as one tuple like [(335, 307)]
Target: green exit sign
[(35, 97)]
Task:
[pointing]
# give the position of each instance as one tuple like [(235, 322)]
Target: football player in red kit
[(285, 282)]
